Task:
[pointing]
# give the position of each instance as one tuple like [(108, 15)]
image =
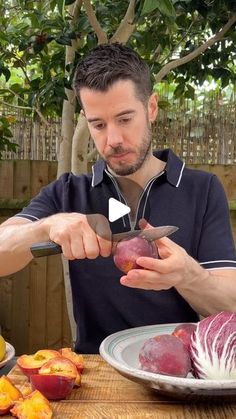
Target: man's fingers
[(104, 238), (158, 265)]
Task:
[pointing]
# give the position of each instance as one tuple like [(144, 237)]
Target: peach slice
[(30, 364), (77, 359), (8, 394), (34, 406)]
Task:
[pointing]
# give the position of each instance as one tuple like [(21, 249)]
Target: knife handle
[(45, 249)]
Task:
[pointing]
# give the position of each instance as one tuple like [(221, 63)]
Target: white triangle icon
[(116, 209)]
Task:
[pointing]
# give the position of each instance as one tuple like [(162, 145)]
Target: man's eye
[(124, 120), (98, 126)]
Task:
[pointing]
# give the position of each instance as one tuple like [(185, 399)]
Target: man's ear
[(152, 107), (82, 113)]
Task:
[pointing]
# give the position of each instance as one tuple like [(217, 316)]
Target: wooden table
[(105, 394)]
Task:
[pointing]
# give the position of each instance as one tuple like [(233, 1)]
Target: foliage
[(6, 134)]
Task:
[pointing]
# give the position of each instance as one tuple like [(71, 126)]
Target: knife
[(154, 233)]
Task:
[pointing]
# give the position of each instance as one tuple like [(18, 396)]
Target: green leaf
[(190, 93), (164, 6), (37, 47), (164, 104), (179, 90), (60, 5), (149, 6), (82, 23), (68, 2), (5, 72), (63, 40)]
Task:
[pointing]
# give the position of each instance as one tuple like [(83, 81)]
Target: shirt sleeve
[(49, 201), (216, 247)]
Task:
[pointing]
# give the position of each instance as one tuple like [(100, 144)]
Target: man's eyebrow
[(126, 112)]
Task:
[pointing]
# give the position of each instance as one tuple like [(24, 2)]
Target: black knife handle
[(45, 249)]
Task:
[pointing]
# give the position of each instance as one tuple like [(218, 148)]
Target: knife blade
[(50, 248)]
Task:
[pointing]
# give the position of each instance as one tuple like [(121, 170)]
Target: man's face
[(120, 125)]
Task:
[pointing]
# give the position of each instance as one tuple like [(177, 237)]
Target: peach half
[(56, 379), (30, 364)]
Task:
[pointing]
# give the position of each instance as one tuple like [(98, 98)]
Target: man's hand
[(159, 274), (80, 236)]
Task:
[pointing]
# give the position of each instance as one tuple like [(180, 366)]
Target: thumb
[(143, 224), (164, 247)]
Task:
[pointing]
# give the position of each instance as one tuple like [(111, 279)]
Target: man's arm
[(16, 237), (80, 237)]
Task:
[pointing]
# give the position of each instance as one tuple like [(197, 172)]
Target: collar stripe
[(180, 176)]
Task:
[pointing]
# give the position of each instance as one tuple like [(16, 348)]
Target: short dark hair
[(107, 63)]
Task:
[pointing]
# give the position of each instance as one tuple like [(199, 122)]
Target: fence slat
[(20, 310), (38, 304), (6, 178), (54, 306), (39, 175), (22, 179)]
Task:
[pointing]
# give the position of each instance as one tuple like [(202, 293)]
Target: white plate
[(10, 352), (121, 351)]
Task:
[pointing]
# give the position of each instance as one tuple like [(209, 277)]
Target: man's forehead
[(118, 85), (118, 100)]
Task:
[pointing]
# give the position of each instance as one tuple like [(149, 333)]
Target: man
[(114, 88)]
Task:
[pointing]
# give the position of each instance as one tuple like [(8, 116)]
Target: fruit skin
[(129, 249), (33, 406), (53, 387), (2, 348), (56, 378), (184, 332), (77, 359), (9, 394), (165, 354), (30, 364)]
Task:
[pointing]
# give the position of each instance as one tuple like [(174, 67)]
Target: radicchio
[(213, 347)]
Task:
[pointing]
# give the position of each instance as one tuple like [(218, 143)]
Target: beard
[(121, 168)]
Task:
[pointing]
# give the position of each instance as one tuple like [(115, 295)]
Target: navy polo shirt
[(191, 199)]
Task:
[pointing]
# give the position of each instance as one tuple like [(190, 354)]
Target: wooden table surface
[(105, 394)]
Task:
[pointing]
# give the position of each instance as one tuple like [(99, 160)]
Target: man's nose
[(114, 136)]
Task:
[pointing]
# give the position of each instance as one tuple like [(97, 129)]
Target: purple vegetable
[(213, 347)]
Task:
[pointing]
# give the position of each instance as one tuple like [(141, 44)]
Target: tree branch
[(26, 107), (177, 63), (126, 27), (76, 8), (101, 35), (179, 43), (157, 52)]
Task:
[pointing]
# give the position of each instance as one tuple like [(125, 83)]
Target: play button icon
[(116, 209)]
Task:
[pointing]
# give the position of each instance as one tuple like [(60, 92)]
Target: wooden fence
[(33, 312)]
